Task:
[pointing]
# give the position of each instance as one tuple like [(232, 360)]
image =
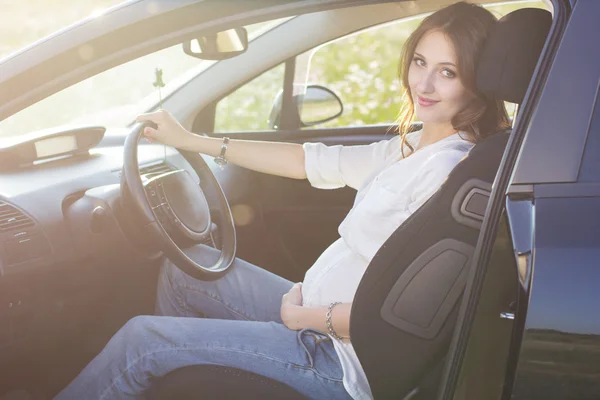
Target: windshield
[(115, 97)]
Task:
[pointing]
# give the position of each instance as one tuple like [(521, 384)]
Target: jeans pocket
[(321, 354)]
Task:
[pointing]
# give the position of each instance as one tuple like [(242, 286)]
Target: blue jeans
[(242, 328)]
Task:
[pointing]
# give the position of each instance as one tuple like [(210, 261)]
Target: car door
[(558, 354), (529, 328)]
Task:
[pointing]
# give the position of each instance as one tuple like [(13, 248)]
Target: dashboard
[(49, 212)]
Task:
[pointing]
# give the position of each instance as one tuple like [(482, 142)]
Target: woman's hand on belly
[(296, 317), (290, 305)]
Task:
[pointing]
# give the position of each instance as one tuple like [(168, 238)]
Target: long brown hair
[(467, 27)]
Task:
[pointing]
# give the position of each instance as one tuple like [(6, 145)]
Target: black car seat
[(406, 306)]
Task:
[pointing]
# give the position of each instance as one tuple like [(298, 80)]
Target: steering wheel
[(174, 211)]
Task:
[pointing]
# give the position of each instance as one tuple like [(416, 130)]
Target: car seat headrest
[(511, 53)]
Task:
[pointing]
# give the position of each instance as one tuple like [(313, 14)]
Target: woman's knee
[(141, 333), (138, 327), (132, 337)]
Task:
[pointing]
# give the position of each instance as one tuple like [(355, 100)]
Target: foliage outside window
[(248, 108), (362, 69)]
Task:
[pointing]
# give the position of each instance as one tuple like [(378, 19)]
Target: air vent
[(12, 218), (159, 168)]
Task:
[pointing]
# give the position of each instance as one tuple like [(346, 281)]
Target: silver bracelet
[(220, 159), (328, 321)]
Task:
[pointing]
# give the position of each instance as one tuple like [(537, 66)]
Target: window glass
[(114, 98), (24, 22), (362, 69), (248, 108), (590, 165)]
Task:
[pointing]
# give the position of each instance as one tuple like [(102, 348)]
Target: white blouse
[(390, 188)]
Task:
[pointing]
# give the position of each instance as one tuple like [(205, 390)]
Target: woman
[(299, 333)]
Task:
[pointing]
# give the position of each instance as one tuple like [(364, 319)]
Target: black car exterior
[(548, 230)]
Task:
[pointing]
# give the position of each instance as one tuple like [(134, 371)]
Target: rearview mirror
[(218, 45)]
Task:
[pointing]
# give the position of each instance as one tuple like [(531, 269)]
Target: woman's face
[(436, 89)]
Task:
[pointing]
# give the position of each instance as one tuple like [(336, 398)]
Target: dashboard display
[(56, 145)]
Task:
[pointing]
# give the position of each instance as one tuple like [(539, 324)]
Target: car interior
[(83, 241)]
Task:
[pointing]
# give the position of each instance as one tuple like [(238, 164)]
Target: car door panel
[(291, 222)]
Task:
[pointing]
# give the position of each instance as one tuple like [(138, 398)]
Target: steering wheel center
[(180, 204)]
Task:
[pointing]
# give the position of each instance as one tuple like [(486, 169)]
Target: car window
[(362, 69), (590, 164), (24, 22), (114, 98), (248, 108)]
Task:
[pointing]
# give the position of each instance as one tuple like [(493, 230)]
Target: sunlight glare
[(97, 12)]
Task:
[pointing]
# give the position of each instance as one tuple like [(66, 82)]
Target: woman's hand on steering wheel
[(167, 129)]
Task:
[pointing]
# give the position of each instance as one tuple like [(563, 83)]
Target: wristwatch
[(220, 159)]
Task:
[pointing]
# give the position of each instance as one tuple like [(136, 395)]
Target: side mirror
[(218, 45), (318, 105)]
